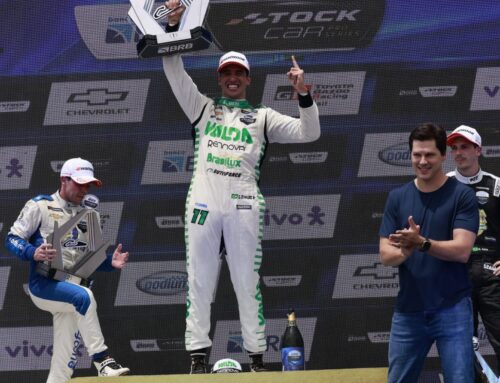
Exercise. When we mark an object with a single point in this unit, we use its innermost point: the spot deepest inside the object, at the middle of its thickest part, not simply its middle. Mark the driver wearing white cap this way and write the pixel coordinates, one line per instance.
(484, 262)
(224, 198)
(72, 305)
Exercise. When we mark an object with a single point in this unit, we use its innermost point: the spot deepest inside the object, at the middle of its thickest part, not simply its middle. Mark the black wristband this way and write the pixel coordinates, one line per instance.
(171, 28)
(305, 101)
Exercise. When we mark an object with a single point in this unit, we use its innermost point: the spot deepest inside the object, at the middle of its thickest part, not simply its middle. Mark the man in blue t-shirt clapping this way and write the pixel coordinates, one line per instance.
(428, 230)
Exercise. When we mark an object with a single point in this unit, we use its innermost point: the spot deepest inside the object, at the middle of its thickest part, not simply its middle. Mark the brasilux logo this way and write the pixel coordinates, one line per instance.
(298, 25)
(225, 161)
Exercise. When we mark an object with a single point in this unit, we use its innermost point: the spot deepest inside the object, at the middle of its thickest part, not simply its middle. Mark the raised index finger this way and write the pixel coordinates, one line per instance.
(294, 62)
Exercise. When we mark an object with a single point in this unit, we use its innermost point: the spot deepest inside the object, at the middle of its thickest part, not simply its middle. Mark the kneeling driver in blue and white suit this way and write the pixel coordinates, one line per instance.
(71, 303)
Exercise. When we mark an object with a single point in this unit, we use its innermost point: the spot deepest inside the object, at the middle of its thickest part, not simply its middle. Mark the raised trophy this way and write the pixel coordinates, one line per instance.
(67, 236)
(191, 35)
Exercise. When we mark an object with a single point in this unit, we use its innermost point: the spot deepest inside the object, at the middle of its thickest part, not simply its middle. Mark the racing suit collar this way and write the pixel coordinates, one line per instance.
(242, 104)
(63, 203)
(469, 180)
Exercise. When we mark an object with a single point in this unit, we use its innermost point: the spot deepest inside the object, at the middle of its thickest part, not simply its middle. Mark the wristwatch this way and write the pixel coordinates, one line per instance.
(425, 246)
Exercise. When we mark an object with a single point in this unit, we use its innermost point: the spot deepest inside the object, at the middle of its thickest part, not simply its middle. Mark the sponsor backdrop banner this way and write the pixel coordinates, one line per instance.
(73, 86)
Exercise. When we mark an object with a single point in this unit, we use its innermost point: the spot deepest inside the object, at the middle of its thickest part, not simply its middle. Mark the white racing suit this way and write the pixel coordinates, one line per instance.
(230, 137)
(72, 306)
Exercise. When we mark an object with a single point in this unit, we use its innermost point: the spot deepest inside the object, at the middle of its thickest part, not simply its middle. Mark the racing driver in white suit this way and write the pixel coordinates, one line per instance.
(230, 137)
(71, 302)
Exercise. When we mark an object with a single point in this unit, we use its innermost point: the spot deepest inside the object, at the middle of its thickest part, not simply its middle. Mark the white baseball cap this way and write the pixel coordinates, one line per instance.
(464, 131)
(79, 170)
(225, 366)
(234, 58)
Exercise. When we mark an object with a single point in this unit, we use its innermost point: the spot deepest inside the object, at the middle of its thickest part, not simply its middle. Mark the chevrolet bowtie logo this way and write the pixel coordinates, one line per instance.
(377, 271)
(97, 97)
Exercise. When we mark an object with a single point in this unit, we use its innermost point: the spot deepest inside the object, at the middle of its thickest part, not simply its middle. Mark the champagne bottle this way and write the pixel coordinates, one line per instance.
(292, 346)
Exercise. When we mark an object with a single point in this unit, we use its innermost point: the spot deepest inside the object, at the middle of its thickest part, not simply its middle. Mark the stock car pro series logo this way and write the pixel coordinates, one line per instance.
(288, 25)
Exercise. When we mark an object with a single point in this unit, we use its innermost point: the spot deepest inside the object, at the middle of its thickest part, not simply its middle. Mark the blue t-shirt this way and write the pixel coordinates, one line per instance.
(426, 282)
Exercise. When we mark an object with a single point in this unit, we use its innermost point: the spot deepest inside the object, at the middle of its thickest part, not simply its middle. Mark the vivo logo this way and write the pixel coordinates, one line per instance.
(28, 350)
(492, 92)
(315, 216)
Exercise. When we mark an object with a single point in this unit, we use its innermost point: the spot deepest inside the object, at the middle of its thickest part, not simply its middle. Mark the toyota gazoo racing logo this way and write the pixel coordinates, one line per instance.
(397, 155)
(317, 24)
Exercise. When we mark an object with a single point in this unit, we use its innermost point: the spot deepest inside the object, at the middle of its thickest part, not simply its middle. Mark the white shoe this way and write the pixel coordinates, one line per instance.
(109, 367)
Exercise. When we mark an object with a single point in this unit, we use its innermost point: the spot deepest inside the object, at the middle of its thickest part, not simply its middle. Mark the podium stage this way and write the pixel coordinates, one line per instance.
(355, 375)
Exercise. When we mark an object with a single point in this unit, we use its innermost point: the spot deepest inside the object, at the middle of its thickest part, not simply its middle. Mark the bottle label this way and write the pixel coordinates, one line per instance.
(292, 358)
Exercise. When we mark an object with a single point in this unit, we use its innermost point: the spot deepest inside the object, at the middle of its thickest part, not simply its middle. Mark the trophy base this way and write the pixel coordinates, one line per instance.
(148, 46)
(60, 275)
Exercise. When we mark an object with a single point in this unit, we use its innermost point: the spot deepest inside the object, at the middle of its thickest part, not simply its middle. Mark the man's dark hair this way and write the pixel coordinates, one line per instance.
(427, 132)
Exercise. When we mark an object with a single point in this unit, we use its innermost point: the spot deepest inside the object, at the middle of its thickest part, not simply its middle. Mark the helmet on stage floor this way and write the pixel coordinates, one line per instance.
(226, 365)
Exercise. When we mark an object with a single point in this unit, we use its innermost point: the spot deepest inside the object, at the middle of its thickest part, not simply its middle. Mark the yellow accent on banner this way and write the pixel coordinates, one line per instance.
(355, 375)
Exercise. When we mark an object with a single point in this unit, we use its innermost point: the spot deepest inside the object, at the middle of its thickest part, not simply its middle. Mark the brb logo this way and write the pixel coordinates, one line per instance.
(174, 162)
(235, 343)
(168, 162)
(120, 31)
(229, 333)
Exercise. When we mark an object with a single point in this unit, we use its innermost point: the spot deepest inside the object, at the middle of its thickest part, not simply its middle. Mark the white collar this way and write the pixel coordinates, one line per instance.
(469, 180)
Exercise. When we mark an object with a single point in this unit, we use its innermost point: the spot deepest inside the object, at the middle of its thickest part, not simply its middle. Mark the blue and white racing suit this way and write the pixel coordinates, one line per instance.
(72, 306)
